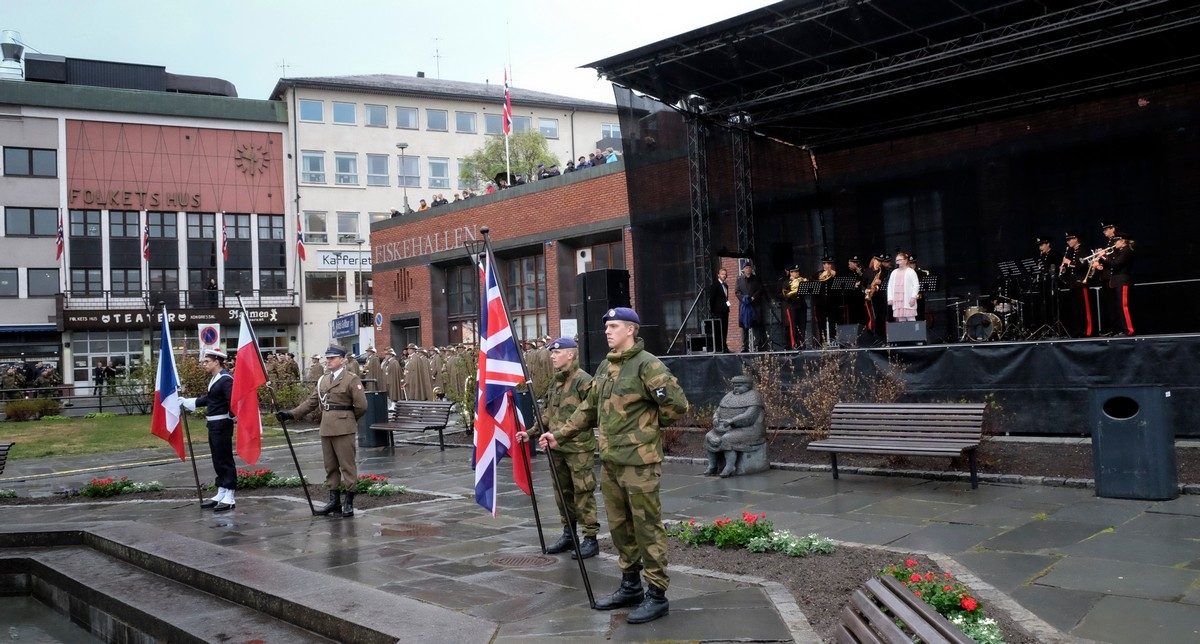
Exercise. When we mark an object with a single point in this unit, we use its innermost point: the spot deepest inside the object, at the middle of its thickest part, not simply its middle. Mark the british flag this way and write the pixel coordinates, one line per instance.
(497, 419)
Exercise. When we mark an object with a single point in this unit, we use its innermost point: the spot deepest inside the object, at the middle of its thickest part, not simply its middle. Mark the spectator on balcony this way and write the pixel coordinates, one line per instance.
(600, 158)
(423, 206)
(570, 167)
(210, 296)
(583, 163)
(610, 156)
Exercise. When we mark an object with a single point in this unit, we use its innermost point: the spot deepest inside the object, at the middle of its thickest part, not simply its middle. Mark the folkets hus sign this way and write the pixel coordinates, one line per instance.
(118, 320)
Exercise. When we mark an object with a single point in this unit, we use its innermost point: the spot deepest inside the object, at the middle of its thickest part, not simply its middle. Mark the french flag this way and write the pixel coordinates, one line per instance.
(497, 419)
(243, 401)
(164, 419)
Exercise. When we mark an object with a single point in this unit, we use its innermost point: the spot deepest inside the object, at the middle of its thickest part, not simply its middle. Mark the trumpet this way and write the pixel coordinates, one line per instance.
(1103, 252)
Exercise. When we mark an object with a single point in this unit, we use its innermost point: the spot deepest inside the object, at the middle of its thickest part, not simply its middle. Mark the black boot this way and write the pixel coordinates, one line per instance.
(588, 548)
(564, 543)
(655, 605)
(334, 505)
(629, 594)
(348, 504)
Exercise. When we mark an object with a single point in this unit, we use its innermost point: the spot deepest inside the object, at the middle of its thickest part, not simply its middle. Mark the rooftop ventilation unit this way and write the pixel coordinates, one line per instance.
(12, 50)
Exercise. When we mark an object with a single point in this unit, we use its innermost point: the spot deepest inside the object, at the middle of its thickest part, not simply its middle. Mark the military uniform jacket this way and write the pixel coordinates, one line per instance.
(567, 391)
(220, 390)
(1120, 267)
(342, 402)
(633, 396)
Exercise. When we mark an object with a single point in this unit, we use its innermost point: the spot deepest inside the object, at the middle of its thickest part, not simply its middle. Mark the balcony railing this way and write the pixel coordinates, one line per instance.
(189, 299)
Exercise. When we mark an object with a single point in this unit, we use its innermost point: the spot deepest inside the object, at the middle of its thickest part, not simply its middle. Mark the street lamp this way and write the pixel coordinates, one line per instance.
(361, 288)
(474, 250)
(403, 182)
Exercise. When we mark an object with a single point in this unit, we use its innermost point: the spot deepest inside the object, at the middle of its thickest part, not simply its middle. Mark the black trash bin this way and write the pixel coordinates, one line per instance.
(1133, 444)
(376, 413)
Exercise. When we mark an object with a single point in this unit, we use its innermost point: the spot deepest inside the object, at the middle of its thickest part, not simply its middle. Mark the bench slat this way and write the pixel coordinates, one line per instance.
(4, 447)
(875, 619)
(932, 626)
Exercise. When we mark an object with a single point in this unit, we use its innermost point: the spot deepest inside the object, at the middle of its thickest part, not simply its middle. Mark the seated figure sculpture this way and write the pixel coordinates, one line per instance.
(739, 425)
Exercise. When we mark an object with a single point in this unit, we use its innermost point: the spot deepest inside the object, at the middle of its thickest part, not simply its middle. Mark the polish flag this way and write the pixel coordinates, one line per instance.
(248, 376)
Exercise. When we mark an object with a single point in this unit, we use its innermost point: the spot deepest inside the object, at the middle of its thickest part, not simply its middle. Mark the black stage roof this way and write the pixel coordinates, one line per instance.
(833, 73)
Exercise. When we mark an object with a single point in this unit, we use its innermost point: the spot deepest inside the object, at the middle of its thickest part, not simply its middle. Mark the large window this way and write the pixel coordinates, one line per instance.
(85, 223)
(436, 120)
(377, 170)
(347, 223)
(376, 115)
(270, 227)
(312, 167)
(164, 280)
(87, 281)
(439, 173)
(325, 286)
(610, 255)
(493, 124)
(162, 225)
(460, 291)
(343, 113)
(312, 111)
(464, 122)
(406, 118)
(31, 222)
(8, 283)
(43, 282)
(272, 281)
(201, 225)
(410, 171)
(315, 230)
(272, 255)
(237, 226)
(527, 295)
(346, 168)
(522, 123)
(610, 130)
(30, 162)
(126, 281)
(548, 128)
(124, 224)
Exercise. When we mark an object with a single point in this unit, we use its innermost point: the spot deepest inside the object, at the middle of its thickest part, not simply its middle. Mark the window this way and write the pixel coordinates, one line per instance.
(124, 223)
(43, 282)
(86, 281)
(343, 113)
(460, 291)
(377, 170)
(237, 226)
(201, 225)
(410, 171)
(464, 122)
(273, 281)
(378, 216)
(84, 223)
(313, 167)
(324, 286)
(126, 281)
(312, 111)
(162, 225)
(611, 255)
(406, 118)
(522, 123)
(345, 169)
(33, 222)
(270, 227)
(8, 282)
(463, 182)
(527, 295)
(548, 128)
(376, 115)
(439, 173)
(236, 279)
(272, 253)
(347, 223)
(436, 120)
(315, 231)
(164, 280)
(610, 130)
(30, 162)
(493, 124)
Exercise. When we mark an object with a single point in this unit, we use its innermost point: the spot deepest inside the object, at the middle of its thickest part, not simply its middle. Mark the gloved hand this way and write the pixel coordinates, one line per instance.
(188, 403)
(284, 416)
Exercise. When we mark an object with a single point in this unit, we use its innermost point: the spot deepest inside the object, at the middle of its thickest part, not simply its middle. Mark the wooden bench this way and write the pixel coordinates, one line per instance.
(907, 429)
(4, 447)
(417, 416)
(874, 609)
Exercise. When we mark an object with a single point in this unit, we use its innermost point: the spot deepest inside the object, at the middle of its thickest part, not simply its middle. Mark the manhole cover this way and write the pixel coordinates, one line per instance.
(411, 530)
(523, 561)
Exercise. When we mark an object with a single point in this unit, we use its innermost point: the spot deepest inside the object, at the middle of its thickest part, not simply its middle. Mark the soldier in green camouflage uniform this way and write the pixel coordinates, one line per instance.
(633, 396)
(575, 458)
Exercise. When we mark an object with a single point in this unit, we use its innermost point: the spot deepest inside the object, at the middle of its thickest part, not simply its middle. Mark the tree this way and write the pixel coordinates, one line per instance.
(526, 150)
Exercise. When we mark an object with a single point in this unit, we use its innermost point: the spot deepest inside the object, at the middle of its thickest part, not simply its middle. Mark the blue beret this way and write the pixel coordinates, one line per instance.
(335, 352)
(563, 343)
(622, 313)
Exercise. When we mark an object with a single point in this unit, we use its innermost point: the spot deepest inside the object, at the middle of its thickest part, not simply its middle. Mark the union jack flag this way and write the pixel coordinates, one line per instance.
(58, 243)
(497, 419)
(507, 107)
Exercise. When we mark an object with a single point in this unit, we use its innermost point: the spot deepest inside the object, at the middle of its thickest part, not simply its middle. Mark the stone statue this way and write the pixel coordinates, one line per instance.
(738, 426)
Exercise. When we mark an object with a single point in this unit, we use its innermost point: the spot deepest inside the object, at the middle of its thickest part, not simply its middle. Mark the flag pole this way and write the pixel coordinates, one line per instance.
(275, 406)
(537, 418)
(187, 432)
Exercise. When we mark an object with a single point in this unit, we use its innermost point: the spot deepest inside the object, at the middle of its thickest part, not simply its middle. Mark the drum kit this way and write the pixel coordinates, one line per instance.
(991, 317)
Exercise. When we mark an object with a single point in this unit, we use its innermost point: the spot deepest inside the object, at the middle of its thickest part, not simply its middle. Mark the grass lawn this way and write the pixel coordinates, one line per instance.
(40, 438)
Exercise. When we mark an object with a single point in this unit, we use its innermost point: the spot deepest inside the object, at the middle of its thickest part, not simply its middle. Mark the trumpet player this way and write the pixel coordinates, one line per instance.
(795, 307)
(1119, 267)
(1077, 313)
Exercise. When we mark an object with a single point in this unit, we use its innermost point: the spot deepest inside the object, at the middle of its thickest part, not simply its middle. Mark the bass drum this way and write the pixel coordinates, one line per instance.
(983, 326)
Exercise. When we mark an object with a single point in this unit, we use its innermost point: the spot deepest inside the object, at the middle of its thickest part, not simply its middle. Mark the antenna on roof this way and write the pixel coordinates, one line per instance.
(437, 58)
(283, 67)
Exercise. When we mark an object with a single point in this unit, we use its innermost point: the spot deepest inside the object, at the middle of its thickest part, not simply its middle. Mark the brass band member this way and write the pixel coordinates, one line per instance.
(1120, 281)
(872, 277)
(795, 308)
(1077, 312)
(822, 305)
(902, 290)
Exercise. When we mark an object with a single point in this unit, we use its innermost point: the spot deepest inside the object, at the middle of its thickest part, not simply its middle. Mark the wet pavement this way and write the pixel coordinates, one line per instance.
(1066, 564)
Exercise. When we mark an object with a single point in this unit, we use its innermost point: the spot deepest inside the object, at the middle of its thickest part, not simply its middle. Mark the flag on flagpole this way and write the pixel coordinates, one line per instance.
(164, 419)
(243, 401)
(146, 240)
(300, 237)
(224, 239)
(58, 243)
(497, 419)
(507, 107)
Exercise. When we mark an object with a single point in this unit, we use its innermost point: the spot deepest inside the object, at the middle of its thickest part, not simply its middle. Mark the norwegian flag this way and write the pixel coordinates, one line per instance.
(146, 242)
(497, 419)
(224, 239)
(507, 107)
(58, 243)
(300, 238)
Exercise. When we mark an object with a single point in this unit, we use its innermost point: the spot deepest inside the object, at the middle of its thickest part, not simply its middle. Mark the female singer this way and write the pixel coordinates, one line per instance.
(902, 290)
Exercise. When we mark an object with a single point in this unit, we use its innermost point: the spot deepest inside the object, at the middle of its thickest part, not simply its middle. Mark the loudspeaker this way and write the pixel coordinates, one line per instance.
(606, 284)
(698, 344)
(848, 335)
(600, 291)
(906, 332)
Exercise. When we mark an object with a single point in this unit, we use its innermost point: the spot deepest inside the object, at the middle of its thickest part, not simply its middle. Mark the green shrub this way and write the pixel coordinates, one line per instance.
(31, 409)
(100, 414)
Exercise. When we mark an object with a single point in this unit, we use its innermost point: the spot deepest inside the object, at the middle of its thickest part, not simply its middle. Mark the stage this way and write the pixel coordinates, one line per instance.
(1044, 386)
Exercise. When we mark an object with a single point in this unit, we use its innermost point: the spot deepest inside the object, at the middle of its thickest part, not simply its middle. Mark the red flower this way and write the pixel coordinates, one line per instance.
(917, 593)
(947, 588)
(969, 604)
(691, 522)
(930, 576)
(915, 578)
(948, 575)
(911, 563)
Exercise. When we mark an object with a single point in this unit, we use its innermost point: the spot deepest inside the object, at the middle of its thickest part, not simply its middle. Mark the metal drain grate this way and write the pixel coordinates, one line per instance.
(523, 561)
(411, 530)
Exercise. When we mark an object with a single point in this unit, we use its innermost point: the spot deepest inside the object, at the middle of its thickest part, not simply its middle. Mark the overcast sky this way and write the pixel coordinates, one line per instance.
(247, 42)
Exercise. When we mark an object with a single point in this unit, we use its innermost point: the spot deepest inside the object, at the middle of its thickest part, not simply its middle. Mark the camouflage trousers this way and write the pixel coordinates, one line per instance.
(577, 479)
(634, 512)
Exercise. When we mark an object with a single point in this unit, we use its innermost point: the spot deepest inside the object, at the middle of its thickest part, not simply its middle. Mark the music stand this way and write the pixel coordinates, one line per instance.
(929, 283)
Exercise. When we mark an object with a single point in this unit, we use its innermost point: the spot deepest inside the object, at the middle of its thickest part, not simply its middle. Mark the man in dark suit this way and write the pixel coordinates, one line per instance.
(751, 295)
(718, 305)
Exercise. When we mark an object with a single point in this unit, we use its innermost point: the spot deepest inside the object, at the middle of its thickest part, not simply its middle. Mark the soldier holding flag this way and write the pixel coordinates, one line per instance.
(220, 429)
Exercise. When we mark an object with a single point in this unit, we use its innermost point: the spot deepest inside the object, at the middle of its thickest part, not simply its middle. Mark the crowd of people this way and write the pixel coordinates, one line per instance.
(31, 380)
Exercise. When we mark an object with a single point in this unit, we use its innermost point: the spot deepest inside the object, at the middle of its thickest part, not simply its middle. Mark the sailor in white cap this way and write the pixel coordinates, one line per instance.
(220, 428)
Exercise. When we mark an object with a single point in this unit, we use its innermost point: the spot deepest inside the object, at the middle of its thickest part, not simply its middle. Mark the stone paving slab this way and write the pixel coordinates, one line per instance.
(1062, 608)
(1132, 619)
(1121, 546)
(1120, 578)
(1104, 512)
(1041, 536)
(948, 538)
(1007, 571)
